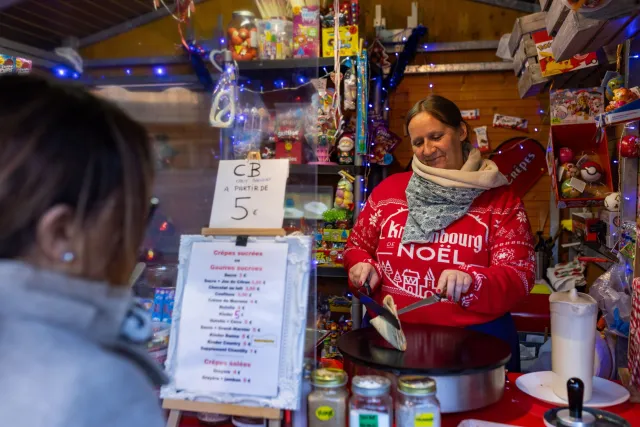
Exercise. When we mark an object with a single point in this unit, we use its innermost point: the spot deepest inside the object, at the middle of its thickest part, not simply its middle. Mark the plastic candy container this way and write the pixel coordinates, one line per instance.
(344, 192)
(275, 37)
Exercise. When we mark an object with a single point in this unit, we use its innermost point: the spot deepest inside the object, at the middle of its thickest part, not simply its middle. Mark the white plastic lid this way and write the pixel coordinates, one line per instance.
(574, 302)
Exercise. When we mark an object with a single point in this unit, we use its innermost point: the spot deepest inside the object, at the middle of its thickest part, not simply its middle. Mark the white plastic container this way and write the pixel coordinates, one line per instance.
(573, 325)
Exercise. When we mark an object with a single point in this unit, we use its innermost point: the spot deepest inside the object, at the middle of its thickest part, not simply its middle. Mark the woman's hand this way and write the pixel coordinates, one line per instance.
(456, 283)
(362, 271)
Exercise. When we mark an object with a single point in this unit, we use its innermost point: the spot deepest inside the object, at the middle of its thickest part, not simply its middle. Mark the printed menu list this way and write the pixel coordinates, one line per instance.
(231, 318)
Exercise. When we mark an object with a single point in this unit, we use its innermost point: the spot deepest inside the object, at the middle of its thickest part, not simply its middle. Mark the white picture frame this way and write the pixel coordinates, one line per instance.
(293, 333)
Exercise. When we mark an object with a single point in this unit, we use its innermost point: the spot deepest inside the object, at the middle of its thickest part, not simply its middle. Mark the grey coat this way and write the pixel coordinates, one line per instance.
(66, 358)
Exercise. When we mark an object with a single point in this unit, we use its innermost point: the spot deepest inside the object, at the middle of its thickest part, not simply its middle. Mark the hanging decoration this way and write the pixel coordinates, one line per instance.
(362, 97)
(522, 161)
(392, 81)
(337, 102)
(378, 56)
(181, 13)
(223, 106)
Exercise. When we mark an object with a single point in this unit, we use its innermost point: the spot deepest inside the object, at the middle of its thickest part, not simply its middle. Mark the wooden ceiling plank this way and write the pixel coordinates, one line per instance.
(123, 5)
(5, 15)
(68, 16)
(123, 27)
(519, 5)
(66, 23)
(4, 4)
(109, 11)
(86, 13)
(29, 33)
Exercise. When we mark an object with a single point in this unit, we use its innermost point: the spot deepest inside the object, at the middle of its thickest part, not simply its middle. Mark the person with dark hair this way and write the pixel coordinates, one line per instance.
(75, 182)
(450, 226)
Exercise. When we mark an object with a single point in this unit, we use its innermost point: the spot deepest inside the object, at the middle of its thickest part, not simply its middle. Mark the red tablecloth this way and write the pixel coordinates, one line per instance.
(519, 409)
(516, 408)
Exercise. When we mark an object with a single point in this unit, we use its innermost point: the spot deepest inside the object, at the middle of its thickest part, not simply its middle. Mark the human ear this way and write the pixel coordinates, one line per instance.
(463, 132)
(55, 233)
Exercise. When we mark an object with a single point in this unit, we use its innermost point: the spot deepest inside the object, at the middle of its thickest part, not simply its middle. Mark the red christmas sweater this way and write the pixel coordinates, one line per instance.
(492, 242)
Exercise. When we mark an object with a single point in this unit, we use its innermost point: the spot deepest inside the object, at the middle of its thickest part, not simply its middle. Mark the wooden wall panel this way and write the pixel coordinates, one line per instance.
(491, 93)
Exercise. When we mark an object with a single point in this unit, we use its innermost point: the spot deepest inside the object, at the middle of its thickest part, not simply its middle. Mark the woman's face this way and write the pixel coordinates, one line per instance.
(436, 144)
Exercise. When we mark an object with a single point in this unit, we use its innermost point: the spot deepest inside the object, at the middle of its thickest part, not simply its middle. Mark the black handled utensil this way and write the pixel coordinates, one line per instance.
(375, 307)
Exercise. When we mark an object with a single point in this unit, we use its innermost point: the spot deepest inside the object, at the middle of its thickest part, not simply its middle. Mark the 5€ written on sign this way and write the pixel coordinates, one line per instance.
(250, 194)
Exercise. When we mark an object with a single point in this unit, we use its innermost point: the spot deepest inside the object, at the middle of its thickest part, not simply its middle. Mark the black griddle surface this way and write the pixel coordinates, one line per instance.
(431, 350)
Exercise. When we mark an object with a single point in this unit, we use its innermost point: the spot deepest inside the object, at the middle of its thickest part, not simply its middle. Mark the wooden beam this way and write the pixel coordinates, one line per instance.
(519, 5)
(128, 25)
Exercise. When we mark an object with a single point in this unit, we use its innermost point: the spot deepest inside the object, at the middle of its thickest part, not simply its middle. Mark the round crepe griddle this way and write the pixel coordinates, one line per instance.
(431, 349)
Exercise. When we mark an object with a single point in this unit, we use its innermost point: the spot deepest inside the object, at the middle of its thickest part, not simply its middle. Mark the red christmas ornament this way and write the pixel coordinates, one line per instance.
(629, 146)
(566, 155)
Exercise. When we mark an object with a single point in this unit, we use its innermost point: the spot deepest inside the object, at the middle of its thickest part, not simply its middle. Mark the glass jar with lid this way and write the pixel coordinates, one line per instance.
(417, 404)
(327, 403)
(371, 404)
(242, 36)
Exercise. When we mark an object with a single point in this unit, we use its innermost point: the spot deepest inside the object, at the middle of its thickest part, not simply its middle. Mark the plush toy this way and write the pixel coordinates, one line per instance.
(566, 155)
(629, 146)
(567, 191)
(621, 97)
(612, 202)
(613, 84)
(591, 171)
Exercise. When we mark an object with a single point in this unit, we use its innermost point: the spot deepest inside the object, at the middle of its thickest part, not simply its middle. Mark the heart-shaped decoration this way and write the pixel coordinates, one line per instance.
(217, 58)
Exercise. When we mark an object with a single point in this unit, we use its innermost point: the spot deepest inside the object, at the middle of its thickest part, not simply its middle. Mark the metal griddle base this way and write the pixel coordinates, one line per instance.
(468, 366)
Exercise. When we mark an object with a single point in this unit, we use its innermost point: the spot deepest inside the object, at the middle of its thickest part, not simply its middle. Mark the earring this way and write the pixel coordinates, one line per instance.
(68, 257)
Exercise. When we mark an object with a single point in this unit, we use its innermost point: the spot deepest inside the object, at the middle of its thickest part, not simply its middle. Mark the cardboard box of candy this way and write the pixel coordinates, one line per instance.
(571, 106)
(579, 165)
(348, 41)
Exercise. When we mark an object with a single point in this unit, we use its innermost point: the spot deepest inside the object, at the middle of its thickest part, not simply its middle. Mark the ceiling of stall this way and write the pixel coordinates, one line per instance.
(47, 23)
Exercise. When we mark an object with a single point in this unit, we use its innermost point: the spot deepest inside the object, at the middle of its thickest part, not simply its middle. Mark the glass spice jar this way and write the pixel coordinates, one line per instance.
(371, 404)
(327, 403)
(417, 404)
(242, 36)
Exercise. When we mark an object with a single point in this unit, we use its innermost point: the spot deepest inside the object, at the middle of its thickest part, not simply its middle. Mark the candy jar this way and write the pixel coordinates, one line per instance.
(242, 36)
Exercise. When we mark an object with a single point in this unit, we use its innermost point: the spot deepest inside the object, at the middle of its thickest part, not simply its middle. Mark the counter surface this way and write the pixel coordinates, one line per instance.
(515, 408)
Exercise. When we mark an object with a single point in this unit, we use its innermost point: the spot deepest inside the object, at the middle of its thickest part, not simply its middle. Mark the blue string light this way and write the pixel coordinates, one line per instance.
(159, 71)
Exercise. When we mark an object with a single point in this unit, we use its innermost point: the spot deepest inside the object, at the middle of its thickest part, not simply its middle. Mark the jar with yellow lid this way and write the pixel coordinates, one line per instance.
(417, 405)
(327, 403)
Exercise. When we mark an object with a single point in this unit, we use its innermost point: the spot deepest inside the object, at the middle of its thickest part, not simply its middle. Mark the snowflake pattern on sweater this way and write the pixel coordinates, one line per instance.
(492, 242)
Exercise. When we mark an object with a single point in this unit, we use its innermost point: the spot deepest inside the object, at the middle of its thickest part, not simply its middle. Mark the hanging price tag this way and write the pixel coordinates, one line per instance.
(250, 194)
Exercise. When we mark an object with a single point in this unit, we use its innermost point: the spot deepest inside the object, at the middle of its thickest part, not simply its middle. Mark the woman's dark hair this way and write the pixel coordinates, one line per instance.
(441, 108)
(61, 145)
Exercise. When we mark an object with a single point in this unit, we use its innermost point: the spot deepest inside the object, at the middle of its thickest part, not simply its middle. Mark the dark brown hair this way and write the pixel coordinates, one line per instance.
(441, 108)
(61, 145)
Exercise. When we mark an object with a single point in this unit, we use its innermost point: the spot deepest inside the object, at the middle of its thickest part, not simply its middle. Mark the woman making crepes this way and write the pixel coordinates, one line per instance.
(452, 224)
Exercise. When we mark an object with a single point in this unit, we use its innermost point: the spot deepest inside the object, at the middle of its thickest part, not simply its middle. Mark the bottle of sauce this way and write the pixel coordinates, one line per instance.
(371, 404)
(327, 403)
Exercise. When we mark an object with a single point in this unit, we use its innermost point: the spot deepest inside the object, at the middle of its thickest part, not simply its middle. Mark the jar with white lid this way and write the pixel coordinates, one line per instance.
(417, 405)
(371, 405)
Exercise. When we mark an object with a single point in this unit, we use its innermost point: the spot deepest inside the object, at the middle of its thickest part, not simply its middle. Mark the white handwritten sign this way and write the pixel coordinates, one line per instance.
(231, 333)
(250, 194)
